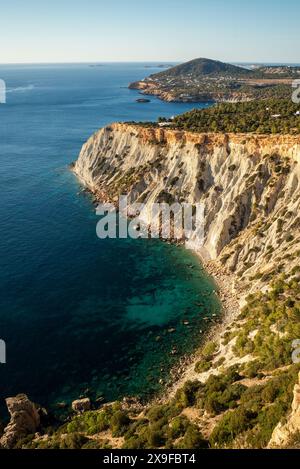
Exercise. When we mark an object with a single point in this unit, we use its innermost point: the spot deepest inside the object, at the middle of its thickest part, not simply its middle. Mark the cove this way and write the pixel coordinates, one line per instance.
(79, 315)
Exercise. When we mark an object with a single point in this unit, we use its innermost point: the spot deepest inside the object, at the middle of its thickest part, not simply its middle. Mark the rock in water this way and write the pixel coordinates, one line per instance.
(24, 420)
(81, 405)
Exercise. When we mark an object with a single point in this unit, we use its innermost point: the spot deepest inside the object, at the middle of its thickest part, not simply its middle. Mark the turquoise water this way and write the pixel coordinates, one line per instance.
(77, 312)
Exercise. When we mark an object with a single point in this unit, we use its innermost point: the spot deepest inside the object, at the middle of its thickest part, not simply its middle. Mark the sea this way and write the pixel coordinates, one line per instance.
(82, 316)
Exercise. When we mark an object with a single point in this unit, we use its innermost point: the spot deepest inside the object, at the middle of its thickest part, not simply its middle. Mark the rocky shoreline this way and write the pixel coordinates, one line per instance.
(229, 298)
(230, 308)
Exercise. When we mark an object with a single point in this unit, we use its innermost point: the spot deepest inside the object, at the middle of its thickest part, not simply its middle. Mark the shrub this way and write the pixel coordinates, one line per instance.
(73, 441)
(192, 439)
(90, 422)
(218, 402)
(252, 368)
(157, 412)
(178, 426)
(155, 438)
(203, 365)
(209, 349)
(133, 442)
(187, 395)
(119, 423)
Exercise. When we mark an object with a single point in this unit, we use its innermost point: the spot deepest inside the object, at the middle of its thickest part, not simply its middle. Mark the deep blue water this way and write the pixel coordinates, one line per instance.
(77, 312)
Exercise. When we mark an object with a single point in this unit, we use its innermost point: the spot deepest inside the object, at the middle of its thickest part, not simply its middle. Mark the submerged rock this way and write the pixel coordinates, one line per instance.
(61, 405)
(24, 420)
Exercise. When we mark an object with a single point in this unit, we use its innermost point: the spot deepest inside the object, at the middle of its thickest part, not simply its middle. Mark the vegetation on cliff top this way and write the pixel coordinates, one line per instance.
(264, 117)
(272, 116)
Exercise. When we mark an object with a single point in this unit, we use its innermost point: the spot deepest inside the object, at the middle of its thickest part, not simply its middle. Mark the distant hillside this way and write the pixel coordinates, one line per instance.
(201, 67)
(206, 80)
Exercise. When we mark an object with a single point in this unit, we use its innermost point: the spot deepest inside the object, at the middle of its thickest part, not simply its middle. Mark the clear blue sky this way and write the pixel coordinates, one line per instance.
(152, 30)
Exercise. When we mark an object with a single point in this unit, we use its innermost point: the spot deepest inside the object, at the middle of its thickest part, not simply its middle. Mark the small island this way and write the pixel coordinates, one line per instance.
(143, 100)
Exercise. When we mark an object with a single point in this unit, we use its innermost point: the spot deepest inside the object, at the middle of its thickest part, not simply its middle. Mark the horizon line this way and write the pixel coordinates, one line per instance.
(142, 61)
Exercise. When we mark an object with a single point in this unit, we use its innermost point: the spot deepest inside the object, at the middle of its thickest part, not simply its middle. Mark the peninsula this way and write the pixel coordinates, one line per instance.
(206, 80)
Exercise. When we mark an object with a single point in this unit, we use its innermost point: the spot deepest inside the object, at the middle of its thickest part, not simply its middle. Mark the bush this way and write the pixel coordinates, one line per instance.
(218, 402)
(188, 394)
(178, 427)
(133, 442)
(269, 393)
(209, 349)
(156, 413)
(252, 368)
(155, 438)
(119, 423)
(203, 365)
(73, 441)
(192, 439)
(90, 422)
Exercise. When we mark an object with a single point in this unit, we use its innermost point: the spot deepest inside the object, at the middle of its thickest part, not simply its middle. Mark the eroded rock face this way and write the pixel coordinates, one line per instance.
(249, 185)
(81, 405)
(283, 432)
(24, 420)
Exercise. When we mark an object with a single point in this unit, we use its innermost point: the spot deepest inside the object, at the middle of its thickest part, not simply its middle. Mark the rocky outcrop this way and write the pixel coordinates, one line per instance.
(24, 420)
(151, 88)
(285, 431)
(249, 185)
(174, 94)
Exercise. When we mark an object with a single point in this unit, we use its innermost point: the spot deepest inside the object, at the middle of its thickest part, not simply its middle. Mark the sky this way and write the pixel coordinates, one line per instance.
(34, 31)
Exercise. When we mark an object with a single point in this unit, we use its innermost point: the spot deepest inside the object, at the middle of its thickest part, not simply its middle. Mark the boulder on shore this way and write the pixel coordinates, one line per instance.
(81, 405)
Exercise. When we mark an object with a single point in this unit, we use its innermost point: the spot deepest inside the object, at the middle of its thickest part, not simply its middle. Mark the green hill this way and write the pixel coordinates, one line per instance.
(202, 67)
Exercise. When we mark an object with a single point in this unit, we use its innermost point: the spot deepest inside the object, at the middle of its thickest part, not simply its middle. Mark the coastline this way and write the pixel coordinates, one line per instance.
(251, 184)
(230, 306)
(229, 299)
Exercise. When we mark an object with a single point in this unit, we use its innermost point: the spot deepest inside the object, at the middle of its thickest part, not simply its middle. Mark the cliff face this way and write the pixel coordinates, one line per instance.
(249, 185)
